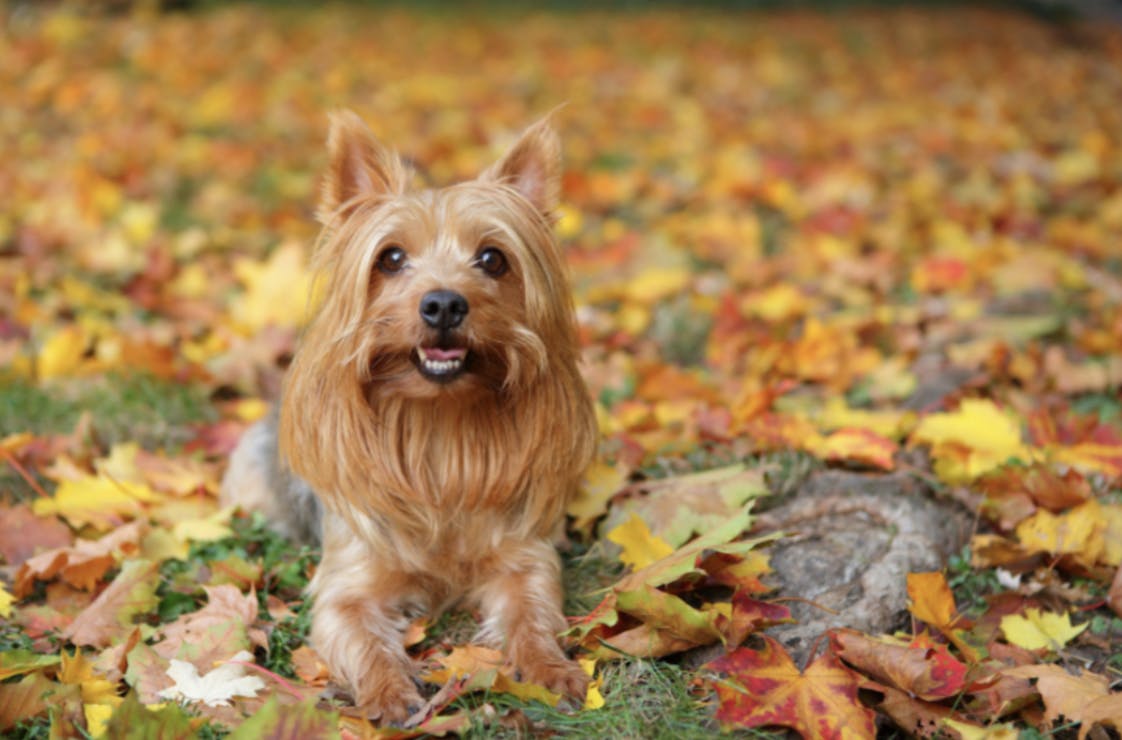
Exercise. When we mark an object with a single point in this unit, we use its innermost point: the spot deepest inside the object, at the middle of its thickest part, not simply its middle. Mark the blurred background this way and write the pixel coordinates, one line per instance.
(754, 193)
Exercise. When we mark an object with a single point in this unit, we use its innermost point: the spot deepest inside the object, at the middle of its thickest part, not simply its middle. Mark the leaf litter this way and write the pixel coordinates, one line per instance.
(885, 239)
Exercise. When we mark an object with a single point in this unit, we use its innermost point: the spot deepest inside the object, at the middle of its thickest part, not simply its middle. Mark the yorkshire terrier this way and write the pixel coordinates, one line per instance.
(433, 423)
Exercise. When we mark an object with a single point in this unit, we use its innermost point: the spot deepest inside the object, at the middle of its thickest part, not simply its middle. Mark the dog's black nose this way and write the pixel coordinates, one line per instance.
(443, 309)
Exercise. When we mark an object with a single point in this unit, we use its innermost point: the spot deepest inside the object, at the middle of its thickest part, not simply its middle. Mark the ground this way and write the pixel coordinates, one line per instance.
(835, 273)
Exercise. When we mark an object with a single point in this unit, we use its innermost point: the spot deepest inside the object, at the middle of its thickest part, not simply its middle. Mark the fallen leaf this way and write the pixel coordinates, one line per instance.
(25, 534)
(221, 628)
(278, 721)
(930, 673)
(1038, 630)
(1082, 697)
(110, 616)
(763, 688)
(83, 564)
(215, 688)
(640, 548)
(970, 441)
(133, 719)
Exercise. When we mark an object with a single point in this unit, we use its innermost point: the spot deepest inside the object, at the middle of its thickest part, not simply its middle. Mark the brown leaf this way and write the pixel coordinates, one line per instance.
(25, 534)
(219, 630)
(83, 564)
(110, 616)
(1074, 697)
(23, 699)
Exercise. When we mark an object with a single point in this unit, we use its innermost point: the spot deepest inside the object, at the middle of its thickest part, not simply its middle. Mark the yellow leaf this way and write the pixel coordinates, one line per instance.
(657, 283)
(250, 409)
(96, 501)
(593, 699)
(62, 353)
(6, 601)
(120, 464)
(159, 545)
(277, 291)
(601, 482)
(1037, 630)
(1112, 534)
(973, 440)
(931, 599)
(97, 718)
(781, 302)
(206, 529)
(969, 731)
(1077, 532)
(640, 547)
(837, 414)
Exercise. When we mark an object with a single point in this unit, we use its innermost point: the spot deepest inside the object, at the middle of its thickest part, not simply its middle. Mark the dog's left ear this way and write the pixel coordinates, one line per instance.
(533, 167)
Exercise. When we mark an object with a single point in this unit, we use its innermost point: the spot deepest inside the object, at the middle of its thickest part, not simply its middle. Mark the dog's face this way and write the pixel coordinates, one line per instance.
(442, 292)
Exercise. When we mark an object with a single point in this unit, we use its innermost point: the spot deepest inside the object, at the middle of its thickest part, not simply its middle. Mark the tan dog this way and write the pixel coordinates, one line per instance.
(433, 416)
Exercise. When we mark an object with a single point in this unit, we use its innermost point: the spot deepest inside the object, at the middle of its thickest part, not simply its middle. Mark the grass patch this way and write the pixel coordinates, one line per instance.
(121, 407)
(642, 698)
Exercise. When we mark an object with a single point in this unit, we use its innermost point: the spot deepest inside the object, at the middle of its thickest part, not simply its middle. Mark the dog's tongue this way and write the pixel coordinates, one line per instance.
(436, 353)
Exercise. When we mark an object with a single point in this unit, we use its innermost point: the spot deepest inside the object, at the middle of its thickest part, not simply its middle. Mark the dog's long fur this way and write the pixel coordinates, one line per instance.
(431, 491)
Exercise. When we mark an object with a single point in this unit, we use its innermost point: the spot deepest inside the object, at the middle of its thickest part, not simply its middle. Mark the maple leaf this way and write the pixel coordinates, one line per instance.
(1082, 697)
(270, 288)
(216, 687)
(222, 627)
(83, 564)
(975, 439)
(764, 687)
(1078, 532)
(97, 501)
(677, 507)
(288, 722)
(110, 616)
(1038, 630)
(25, 534)
(133, 719)
(640, 548)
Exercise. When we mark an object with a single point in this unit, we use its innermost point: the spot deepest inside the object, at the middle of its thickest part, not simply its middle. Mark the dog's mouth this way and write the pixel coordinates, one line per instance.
(440, 364)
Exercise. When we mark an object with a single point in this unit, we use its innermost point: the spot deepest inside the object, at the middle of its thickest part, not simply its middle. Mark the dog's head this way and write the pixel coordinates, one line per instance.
(440, 292)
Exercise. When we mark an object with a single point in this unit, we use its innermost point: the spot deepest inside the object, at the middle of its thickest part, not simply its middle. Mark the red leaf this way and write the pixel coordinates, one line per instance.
(764, 687)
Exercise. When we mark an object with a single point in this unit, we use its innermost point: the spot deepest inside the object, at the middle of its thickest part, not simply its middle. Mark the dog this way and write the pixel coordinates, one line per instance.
(433, 424)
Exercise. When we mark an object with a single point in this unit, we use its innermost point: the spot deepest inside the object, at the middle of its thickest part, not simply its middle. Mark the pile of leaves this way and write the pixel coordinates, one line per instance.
(884, 241)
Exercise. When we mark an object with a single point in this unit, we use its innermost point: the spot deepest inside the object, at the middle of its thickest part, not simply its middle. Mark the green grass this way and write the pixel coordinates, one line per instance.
(120, 407)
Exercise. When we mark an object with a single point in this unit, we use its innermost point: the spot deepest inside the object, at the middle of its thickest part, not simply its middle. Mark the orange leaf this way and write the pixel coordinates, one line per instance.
(859, 446)
(931, 600)
(764, 687)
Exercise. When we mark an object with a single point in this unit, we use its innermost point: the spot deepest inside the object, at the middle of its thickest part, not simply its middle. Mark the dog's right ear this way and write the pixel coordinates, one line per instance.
(358, 166)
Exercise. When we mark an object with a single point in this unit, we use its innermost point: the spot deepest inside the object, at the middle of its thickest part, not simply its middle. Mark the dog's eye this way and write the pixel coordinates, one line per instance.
(492, 261)
(391, 260)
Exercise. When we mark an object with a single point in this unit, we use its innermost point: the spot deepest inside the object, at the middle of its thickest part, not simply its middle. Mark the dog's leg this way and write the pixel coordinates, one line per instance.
(521, 605)
(358, 622)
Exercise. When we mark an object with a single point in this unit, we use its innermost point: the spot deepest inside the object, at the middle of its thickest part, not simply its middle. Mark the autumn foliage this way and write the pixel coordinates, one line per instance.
(887, 241)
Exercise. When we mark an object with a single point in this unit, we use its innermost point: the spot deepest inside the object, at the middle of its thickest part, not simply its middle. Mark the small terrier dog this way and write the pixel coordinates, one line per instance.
(433, 424)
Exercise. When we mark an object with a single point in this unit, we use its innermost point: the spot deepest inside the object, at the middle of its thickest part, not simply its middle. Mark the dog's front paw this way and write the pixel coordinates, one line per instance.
(559, 676)
(389, 698)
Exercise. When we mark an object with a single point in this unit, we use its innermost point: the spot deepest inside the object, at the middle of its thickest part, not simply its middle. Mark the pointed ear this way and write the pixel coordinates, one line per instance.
(533, 167)
(358, 165)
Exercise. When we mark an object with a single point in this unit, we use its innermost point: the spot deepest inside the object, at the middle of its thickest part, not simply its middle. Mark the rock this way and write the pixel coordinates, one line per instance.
(853, 538)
